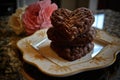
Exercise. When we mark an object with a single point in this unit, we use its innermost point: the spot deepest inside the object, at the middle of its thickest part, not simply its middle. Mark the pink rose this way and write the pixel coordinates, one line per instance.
(37, 16)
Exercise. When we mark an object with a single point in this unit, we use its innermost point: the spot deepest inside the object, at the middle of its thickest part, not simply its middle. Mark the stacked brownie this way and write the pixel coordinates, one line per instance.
(72, 35)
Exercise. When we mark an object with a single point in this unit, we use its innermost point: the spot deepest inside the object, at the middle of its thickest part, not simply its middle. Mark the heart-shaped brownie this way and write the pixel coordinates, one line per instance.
(81, 40)
(72, 23)
(72, 53)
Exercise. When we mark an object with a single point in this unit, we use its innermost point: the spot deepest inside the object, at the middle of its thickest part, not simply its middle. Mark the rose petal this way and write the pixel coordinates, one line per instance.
(43, 4)
(37, 15)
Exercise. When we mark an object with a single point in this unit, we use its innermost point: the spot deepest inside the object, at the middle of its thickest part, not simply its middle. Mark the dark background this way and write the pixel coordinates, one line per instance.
(109, 4)
(7, 7)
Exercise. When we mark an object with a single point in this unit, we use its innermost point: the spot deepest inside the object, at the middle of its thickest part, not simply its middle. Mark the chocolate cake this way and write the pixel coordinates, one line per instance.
(72, 35)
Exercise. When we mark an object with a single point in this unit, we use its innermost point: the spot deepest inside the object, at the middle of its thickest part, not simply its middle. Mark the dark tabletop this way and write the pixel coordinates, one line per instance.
(11, 62)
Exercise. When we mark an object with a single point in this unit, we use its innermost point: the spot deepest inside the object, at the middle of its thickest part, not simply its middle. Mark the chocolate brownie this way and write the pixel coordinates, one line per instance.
(72, 53)
(72, 33)
(78, 41)
(72, 23)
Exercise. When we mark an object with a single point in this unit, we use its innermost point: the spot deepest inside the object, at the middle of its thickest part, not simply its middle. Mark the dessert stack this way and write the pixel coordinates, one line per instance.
(72, 33)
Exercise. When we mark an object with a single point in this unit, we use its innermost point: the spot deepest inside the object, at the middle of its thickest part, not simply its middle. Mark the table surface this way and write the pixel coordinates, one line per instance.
(12, 64)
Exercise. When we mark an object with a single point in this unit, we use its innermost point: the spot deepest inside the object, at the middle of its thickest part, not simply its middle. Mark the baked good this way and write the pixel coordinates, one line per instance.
(80, 40)
(72, 23)
(72, 33)
(72, 53)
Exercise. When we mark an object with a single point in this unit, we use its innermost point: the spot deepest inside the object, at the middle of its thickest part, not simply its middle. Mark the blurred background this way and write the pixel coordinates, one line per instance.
(7, 7)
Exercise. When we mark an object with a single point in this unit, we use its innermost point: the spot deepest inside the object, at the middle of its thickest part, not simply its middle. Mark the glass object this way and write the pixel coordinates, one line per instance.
(99, 21)
(21, 3)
